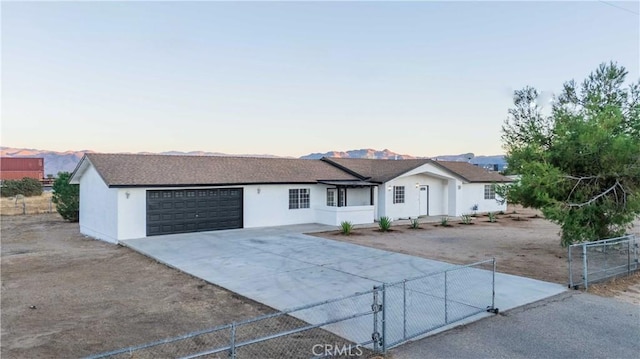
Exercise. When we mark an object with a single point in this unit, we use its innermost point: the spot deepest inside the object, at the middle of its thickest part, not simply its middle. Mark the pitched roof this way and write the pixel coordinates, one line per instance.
(121, 170)
(378, 170)
(471, 173)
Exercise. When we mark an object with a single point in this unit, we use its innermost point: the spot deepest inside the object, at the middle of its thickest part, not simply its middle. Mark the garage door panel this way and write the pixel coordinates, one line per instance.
(178, 211)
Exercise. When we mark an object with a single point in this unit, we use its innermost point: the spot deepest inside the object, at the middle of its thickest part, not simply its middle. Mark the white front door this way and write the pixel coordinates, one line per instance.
(424, 200)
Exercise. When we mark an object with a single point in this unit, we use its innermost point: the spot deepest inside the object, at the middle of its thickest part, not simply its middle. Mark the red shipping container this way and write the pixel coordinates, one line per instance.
(21, 164)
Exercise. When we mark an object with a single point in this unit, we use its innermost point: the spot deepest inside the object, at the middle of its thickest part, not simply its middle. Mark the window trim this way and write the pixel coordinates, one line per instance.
(299, 198)
(399, 194)
(334, 194)
(489, 192)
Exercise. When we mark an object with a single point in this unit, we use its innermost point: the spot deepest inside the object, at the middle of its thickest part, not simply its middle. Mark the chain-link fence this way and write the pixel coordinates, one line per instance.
(595, 261)
(357, 325)
(337, 328)
(416, 306)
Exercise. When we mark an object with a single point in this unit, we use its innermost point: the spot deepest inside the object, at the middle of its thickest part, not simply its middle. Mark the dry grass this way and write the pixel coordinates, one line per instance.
(625, 288)
(12, 206)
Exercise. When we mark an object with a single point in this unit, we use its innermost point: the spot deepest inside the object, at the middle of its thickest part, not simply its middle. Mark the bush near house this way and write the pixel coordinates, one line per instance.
(27, 187)
(66, 196)
(346, 227)
(384, 223)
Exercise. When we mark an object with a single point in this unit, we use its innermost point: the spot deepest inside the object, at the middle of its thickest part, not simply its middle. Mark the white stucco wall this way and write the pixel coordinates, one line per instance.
(438, 196)
(270, 207)
(473, 193)
(98, 207)
(132, 213)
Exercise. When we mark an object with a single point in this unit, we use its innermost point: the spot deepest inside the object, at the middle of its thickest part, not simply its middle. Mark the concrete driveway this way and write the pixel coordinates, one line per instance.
(283, 268)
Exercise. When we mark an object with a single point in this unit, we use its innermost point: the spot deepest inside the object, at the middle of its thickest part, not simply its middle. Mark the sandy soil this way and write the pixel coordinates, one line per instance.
(65, 295)
(522, 242)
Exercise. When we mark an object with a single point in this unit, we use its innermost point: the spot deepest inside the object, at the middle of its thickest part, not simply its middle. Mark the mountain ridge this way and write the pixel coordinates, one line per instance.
(60, 161)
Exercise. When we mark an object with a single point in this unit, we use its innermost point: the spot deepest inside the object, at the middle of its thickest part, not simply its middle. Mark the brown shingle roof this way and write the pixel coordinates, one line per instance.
(163, 170)
(377, 170)
(472, 173)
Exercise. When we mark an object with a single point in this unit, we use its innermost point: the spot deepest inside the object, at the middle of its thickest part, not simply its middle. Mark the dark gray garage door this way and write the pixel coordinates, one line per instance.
(193, 210)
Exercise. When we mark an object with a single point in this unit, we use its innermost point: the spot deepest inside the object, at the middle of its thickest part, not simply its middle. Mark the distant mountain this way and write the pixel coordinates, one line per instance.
(363, 153)
(55, 162)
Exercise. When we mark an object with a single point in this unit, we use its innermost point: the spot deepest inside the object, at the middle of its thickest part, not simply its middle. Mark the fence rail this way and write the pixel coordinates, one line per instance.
(595, 261)
(360, 324)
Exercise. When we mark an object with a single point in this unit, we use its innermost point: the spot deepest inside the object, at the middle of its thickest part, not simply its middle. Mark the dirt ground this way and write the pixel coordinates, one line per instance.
(522, 242)
(65, 295)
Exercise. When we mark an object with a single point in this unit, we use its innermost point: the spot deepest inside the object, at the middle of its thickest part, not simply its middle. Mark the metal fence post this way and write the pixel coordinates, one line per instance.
(585, 272)
(375, 336)
(629, 256)
(232, 345)
(404, 309)
(570, 269)
(446, 310)
(384, 318)
(493, 285)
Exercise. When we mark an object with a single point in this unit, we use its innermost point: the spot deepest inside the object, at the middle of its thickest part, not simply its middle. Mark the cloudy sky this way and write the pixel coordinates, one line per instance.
(290, 78)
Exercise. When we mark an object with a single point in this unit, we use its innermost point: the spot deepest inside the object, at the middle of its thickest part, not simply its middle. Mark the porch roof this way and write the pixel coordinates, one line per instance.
(349, 183)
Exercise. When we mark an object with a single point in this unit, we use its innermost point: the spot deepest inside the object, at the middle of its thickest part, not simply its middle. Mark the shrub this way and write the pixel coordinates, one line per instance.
(444, 221)
(346, 227)
(466, 219)
(492, 217)
(501, 212)
(414, 224)
(384, 223)
(66, 196)
(27, 187)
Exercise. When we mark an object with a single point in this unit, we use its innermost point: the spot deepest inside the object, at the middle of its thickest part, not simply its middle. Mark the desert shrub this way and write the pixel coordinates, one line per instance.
(66, 196)
(444, 221)
(384, 223)
(27, 187)
(346, 227)
(414, 223)
(466, 219)
(492, 217)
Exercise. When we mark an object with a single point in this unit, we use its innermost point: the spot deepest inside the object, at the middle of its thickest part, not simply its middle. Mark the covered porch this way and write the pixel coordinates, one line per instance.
(352, 201)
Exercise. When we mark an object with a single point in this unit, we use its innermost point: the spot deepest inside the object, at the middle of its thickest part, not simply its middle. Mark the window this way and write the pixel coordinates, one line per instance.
(489, 192)
(331, 197)
(299, 198)
(398, 194)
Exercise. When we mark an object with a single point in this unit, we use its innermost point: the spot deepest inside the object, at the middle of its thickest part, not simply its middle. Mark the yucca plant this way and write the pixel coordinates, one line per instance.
(466, 219)
(444, 221)
(384, 223)
(346, 227)
(414, 223)
(492, 217)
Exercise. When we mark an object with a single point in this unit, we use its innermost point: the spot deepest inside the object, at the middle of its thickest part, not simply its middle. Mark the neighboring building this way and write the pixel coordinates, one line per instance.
(16, 168)
(126, 196)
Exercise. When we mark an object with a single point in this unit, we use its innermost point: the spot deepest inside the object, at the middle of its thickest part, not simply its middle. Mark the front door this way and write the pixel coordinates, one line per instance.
(424, 200)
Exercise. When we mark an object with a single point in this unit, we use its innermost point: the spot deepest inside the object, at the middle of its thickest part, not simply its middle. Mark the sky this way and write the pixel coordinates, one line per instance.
(423, 78)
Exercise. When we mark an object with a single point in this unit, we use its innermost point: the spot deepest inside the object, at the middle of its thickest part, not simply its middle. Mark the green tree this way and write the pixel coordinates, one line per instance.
(580, 164)
(27, 187)
(66, 196)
